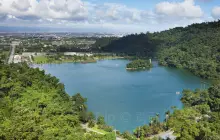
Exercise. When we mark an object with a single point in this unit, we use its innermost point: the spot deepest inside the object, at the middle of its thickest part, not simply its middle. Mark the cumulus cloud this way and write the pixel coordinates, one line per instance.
(21, 5)
(55, 9)
(117, 13)
(216, 12)
(73, 10)
(82, 14)
(186, 9)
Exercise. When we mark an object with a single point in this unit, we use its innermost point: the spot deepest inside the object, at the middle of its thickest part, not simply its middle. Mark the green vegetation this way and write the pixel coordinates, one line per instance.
(107, 56)
(101, 120)
(66, 44)
(4, 49)
(4, 56)
(40, 59)
(59, 58)
(102, 42)
(154, 127)
(201, 113)
(199, 119)
(34, 105)
(97, 128)
(139, 65)
(195, 48)
(132, 45)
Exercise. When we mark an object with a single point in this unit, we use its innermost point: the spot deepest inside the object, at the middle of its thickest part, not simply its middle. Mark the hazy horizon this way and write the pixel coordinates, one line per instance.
(106, 16)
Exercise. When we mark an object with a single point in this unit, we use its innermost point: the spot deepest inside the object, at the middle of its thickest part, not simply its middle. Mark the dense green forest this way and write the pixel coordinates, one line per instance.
(135, 44)
(139, 64)
(198, 120)
(201, 113)
(34, 105)
(196, 48)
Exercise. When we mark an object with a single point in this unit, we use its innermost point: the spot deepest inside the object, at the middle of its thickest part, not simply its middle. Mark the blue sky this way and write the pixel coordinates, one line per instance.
(118, 16)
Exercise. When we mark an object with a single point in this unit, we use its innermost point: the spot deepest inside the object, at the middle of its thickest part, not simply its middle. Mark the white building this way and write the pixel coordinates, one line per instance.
(17, 59)
(78, 54)
(27, 54)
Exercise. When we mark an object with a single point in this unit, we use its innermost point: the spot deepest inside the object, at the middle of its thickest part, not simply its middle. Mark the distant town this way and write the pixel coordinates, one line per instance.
(59, 35)
(40, 47)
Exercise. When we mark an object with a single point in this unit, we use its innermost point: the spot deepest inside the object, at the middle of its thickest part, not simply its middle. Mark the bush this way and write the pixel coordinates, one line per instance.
(101, 120)
(91, 123)
(105, 128)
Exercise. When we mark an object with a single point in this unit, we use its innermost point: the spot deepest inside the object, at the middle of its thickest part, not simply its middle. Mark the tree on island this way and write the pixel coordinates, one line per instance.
(139, 64)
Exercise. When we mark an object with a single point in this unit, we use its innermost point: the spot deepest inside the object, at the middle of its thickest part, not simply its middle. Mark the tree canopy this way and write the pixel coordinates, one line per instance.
(34, 105)
(139, 64)
(195, 47)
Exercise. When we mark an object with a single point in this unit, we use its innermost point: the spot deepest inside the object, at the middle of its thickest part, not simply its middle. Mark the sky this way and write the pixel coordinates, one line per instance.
(113, 16)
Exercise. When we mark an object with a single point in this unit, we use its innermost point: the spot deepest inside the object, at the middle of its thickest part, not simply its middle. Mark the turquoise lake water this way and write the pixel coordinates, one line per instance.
(126, 99)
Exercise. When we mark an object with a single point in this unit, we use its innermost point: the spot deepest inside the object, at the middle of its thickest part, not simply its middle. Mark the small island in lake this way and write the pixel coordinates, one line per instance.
(139, 65)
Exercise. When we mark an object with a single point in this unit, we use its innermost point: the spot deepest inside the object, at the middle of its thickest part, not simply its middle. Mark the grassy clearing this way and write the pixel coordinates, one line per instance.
(71, 59)
(62, 59)
(5, 52)
(40, 59)
(99, 130)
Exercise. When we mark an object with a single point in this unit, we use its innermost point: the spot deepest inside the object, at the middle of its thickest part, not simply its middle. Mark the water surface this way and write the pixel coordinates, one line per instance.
(126, 99)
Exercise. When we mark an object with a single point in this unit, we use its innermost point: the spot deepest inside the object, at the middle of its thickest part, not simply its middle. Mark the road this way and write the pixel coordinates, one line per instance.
(165, 135)
(85, 126)
(11, 57)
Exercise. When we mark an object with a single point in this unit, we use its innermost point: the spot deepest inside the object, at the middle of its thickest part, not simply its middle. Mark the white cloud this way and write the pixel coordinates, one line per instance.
(110, 16)
(55, 9)
(119, 14)
(216, 12)
(21, 5)
(116, 13)
(186, 9)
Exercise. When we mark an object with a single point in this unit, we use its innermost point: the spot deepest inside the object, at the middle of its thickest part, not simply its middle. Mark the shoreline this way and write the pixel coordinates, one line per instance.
(161, 120)
(94, 60)
(137, 68)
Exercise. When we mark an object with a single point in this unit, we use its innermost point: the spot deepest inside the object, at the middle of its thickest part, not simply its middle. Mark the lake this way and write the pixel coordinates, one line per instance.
(126, 99)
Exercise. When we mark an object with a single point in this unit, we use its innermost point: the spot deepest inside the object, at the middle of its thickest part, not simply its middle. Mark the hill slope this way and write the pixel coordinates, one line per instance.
(196, 48)
(35, 106)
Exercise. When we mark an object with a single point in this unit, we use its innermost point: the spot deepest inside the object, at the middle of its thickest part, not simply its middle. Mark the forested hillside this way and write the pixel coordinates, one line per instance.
(198, 120)
(196, 48)
(138, 44)
(35, 106)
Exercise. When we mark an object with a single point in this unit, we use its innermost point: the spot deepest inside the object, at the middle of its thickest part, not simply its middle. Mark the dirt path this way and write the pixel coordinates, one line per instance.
(85, 126)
